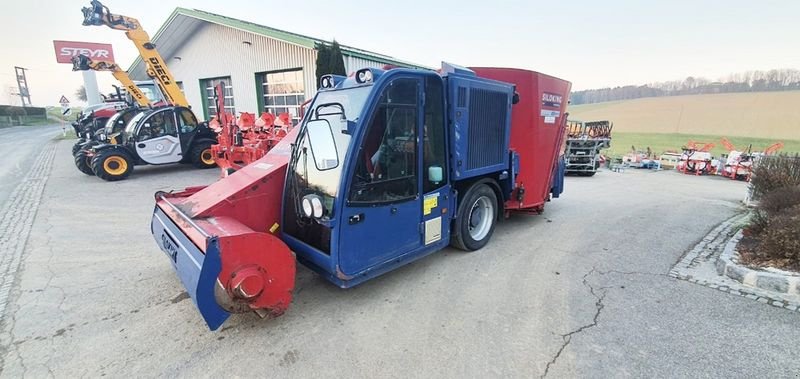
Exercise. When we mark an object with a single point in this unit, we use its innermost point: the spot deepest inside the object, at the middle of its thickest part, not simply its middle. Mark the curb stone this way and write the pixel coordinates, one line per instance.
(704, 264)
(774, 280)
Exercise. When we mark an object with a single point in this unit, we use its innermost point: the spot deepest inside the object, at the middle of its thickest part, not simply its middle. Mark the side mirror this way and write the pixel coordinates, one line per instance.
(515, 98)
(435, 174)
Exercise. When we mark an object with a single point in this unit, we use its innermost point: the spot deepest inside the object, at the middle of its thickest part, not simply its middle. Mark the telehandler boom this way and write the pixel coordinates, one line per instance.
(99, 14)
(82, 62)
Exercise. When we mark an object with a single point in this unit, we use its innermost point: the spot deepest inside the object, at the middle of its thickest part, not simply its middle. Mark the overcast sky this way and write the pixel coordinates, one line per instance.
(590, 43)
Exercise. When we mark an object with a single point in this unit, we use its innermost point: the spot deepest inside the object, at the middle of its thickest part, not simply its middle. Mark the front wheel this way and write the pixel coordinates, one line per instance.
(476, 218)
(112, 165)
(83, 162)
(78, 146)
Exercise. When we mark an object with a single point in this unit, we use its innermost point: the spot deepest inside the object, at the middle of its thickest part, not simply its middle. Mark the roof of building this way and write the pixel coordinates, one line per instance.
(183, 22)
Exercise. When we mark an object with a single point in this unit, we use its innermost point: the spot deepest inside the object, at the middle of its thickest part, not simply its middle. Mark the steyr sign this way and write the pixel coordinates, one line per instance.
(65, 50)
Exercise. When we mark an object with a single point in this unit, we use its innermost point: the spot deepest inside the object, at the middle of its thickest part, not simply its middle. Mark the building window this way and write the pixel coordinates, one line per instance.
(227, 91)
(283, 92)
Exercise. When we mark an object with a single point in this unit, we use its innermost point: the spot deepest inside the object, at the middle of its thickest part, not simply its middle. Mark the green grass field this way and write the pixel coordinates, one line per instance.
(55, 113)
(660, 142)
(668, 123)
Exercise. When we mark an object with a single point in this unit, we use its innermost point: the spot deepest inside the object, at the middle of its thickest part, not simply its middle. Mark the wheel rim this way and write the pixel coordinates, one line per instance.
(480, 218)
(115, 165)
(207, 157)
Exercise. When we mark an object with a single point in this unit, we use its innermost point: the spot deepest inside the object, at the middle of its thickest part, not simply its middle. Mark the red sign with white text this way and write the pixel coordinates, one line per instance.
(65, 50)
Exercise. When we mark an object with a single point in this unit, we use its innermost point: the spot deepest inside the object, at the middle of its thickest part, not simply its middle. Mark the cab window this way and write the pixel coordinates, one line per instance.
(387, 160)
(187, 123)
(158, 125)
(433, 146)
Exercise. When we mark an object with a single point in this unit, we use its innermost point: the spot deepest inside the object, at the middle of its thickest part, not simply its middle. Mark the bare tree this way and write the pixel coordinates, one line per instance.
(80, 93)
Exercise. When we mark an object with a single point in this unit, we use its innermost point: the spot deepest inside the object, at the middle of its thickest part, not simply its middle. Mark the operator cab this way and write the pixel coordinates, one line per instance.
(157, 136)
(117, 123)
(369, 167)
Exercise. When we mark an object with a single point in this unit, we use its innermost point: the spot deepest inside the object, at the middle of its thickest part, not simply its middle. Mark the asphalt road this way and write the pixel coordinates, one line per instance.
(580, 291)
(20, 146)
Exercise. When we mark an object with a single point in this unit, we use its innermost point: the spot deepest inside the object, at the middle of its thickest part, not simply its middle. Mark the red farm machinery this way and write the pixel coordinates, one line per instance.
(385, 167)
(244, 140)
(696, 159)
(739, 163)
(585, 140)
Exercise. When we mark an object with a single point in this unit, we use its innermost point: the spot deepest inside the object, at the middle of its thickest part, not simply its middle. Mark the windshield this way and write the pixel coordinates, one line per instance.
(111, 121)
(132, 123)
(321, 178)
(318, 160)
(149, 91)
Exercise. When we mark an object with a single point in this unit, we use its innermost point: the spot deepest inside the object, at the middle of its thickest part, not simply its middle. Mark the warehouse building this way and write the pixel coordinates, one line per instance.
(263, 68)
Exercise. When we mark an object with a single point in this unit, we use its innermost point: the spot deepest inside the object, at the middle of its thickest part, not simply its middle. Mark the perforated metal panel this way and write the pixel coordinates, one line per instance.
(487, 128)
(480, 125)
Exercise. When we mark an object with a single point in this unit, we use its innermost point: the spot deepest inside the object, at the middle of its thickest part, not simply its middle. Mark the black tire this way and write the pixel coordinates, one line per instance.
(83, 162)
(202, 157)
(472, 212)
(590, 173)
(77, 146)
(112, 165)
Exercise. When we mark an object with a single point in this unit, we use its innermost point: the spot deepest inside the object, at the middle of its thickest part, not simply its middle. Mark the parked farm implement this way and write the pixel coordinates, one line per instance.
(584, 142)
(739, 163)
(245, 139)
(386, 167)
(696, 159)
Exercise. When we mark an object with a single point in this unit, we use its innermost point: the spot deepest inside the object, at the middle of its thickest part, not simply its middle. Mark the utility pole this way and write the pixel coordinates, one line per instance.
(22, 85)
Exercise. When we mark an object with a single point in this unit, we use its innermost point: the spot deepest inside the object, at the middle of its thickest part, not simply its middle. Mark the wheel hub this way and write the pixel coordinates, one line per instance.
(480, 218)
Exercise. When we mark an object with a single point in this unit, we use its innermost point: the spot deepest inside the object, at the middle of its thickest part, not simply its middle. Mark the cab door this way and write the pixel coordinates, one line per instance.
(157, 139)
(381, 217)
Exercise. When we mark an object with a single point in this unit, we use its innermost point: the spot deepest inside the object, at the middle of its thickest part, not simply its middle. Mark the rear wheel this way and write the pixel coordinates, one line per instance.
(202, 156)
(112, 165)
(83, 162)
(476, 218)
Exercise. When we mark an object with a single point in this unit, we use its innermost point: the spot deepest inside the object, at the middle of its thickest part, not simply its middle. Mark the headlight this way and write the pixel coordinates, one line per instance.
(312, 206)
(316, 204)
(326, 81)
(364, 76)
(307, 207)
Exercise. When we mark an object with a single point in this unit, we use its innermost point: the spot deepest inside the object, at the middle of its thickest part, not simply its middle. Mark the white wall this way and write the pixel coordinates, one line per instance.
(215, 51)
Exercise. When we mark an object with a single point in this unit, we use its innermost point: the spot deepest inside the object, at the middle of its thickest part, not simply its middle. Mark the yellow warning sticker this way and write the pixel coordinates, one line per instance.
(430, 203)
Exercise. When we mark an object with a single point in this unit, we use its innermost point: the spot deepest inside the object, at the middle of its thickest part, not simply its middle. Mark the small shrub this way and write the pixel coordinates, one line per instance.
(773, 172)
(773, 203)
(780, 240)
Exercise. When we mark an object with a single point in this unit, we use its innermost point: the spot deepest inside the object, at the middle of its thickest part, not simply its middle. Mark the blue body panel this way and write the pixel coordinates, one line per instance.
(198, 272)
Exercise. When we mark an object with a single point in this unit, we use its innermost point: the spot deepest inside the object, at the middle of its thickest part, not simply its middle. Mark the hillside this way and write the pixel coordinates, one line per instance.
(769, 115)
